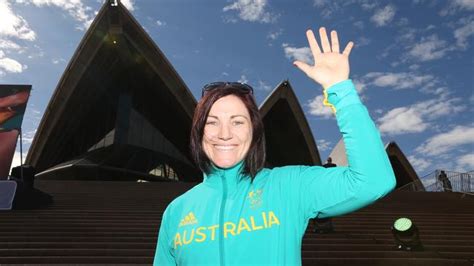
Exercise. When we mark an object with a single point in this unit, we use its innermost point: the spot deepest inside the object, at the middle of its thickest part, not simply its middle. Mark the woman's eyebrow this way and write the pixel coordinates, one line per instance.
(234, 116)
(231, 117)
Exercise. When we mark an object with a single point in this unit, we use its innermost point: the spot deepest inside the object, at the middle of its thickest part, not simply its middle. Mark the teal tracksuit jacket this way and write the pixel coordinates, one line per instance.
(229, 220)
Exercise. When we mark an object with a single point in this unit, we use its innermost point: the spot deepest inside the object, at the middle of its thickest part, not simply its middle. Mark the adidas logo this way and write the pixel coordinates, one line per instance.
(188, 219)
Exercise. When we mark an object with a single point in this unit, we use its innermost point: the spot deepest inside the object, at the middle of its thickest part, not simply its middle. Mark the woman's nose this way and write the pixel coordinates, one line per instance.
(225, 133)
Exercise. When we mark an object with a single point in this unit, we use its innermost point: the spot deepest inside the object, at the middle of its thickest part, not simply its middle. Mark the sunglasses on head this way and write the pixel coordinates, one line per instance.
(222, 84)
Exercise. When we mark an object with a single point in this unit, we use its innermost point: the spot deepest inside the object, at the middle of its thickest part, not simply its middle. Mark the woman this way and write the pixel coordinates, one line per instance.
(244, 214)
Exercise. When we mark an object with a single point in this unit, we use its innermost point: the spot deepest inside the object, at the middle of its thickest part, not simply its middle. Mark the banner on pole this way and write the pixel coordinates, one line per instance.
(13, 99)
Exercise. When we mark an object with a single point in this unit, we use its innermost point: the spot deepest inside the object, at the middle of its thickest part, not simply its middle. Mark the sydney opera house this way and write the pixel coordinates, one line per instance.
(113, 150)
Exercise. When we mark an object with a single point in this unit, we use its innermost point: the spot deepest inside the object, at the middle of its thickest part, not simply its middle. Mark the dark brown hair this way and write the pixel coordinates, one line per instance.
(255, 158)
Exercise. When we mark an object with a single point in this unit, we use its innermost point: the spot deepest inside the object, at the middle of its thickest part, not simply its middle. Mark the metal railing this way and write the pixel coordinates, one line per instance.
(416, 185)
(433, 182)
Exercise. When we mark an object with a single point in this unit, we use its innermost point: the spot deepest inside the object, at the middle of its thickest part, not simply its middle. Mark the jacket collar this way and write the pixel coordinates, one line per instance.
(232, 176)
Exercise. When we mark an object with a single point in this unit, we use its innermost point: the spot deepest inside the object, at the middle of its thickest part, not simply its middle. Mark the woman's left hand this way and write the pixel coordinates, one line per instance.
(330, 66)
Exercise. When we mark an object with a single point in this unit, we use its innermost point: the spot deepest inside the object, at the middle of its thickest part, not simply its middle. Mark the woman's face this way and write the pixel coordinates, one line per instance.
(228, 132)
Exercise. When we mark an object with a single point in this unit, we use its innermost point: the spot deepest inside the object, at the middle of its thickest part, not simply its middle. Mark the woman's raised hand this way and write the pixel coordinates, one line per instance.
(330, 66)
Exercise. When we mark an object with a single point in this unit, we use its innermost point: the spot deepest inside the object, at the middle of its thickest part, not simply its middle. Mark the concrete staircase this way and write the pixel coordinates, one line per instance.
(117, 223)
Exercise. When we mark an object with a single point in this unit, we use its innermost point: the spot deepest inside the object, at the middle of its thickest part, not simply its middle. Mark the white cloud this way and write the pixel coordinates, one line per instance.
(436, 108)
(419, 163)
(229, 19)
(403, 22)
(243, 79)
(378, 111)
(464, 4)
(414, 67)
(273, 35)
(403, 80)
(447, 141)
(129, 4)
(401, 120)
(13, 25)
(359, 24)
(28, 136)
(10, 65)
(58, 60)
(317, 108)
(362, 41)
(417, 117)
(252, 10)
(160, 23)
(263, 86)
(326, 7)
(320, 3)
(383, 16)
(368, 4)
(419, 1)
(360, 86)
(455, 6)
(302, 54)
(408, 35)
(463, 33)
(323, 145)
(75, 8)
(466, 161)
(37, 53)
(429, 48)
(9, 45)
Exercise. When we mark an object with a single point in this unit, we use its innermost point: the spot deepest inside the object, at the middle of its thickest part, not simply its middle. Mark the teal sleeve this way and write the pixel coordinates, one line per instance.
(164, 253)
(327, 192)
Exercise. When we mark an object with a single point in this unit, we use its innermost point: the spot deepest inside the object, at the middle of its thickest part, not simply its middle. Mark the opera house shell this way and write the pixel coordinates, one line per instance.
(121, 112)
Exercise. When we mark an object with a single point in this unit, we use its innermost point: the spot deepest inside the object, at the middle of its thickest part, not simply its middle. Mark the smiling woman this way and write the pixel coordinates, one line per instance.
(227, 127)
(228, 132)
(243, 213)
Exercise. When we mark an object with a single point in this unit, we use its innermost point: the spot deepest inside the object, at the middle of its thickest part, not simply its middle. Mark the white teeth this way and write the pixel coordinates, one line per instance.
(224, 147)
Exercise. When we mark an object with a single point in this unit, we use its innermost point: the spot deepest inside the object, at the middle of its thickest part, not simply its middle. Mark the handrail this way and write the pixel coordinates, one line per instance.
(453, 182)
(416, 185)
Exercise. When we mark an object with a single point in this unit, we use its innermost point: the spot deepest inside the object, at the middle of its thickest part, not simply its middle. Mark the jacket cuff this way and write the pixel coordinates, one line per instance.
(340, 95)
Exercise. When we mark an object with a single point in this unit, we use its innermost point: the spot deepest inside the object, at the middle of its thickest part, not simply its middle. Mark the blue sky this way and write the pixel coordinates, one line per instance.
(413, 60)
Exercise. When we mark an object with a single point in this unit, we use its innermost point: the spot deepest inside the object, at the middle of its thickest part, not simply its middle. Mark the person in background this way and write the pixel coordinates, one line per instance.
(443, 178)
(329, 163)
(324, 225)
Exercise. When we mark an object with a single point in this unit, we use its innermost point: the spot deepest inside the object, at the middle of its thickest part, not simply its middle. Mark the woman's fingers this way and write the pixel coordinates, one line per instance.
(348, 48)
(335, 42)
(324, 40)
(303, 67)
(313, 44)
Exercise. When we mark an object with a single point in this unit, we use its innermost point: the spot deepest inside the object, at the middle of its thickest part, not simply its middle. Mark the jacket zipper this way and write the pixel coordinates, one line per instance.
(221, 218)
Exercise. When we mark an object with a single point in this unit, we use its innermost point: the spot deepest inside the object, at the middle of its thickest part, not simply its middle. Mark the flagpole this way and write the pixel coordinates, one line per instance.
(21, 155)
